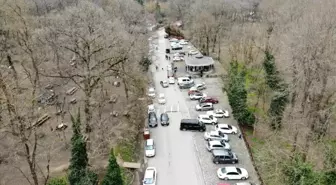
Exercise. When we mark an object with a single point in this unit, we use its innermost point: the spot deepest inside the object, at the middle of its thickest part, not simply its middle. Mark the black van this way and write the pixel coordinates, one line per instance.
(192, 124)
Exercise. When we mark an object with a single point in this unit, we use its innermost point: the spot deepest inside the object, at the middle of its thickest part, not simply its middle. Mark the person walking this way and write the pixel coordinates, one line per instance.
(156, 67)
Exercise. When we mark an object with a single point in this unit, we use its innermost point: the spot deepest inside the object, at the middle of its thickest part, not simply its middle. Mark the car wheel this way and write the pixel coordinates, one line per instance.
(226, 178)
(213, 123)
(233, 162)
(208, 139)
(184, 129)
(243, 178)
(216, 162)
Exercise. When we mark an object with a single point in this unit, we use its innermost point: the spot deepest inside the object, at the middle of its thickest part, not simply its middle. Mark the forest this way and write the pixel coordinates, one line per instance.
(279, 62)
(72, 77)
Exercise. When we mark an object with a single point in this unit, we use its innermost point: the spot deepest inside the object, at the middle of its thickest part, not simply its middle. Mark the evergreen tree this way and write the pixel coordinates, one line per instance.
(237, 95)
(79, 158)
(113, 175)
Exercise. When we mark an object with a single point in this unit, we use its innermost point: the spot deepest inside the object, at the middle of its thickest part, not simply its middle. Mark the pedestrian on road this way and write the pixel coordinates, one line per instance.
(168, 57)
(240, 136)
(156, 67)
(162, 69)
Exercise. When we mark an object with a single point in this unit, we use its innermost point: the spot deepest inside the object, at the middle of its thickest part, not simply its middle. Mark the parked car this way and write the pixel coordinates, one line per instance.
(245, 183)
(171, 80)
(185, 80)
(199, 87)
(151, 92)
(164, 119)
(204, 107)
(207, 119)
(164, 84)
(224, 157)
(215, 135)
(150, 148)
(197, 96)
(193, 52)
(193, 91)
(219, 113)
(208, 100)
(185, 86)
(192, 124)
(218, 145)
(150, 176)
(162, 99)
(226, 129)
(151, 108)
(232, 173)
(152, 119)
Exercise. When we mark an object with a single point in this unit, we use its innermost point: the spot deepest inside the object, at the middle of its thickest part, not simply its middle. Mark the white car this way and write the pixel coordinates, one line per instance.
(198, 87)
(218, 145)
(219, 113)
(197, 96)
(226, 129)
(150, 176)
(151, 108)
(207, 119)
(151, 92)
(193, 52)
(214, 135)
(150, 148)
(232, 173)
(204, 107)
(171, 80)
(162, 99)
(183, 42)
(164, 84)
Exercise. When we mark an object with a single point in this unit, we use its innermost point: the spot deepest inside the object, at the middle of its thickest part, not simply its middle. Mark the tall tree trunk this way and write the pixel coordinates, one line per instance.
(15, 75)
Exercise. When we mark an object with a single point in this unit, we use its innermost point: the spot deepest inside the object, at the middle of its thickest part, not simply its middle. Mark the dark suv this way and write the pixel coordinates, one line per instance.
(224, 157)
(152, 119)
(192, 124)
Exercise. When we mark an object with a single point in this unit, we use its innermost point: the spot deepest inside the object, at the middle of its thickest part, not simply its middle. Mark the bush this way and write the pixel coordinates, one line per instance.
(58, 181)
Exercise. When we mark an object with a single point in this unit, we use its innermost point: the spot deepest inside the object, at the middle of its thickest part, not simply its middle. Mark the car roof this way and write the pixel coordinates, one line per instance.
(220, 152)
(230, 169)
(213, 132)
(223, 125)
(243, 183)
(193, 121)
(149, 142)
(150, 172)
(204, 115)
(215, 142)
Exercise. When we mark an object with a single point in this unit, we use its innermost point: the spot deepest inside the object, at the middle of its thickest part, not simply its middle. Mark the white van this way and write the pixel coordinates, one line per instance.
(184, 80)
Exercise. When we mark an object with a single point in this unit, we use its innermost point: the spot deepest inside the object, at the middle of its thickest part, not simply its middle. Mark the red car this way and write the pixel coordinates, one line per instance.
(209, 100)
(193, 92)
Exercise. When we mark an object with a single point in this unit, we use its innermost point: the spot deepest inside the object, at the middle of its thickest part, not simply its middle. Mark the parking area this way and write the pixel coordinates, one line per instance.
(182, 157)
(238, 146)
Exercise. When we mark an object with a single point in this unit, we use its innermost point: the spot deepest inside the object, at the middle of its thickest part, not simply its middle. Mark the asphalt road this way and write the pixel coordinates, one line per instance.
(181, 157)
(176, 159)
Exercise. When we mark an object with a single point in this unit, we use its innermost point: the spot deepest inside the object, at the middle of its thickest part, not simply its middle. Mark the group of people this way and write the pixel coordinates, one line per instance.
(167, 57)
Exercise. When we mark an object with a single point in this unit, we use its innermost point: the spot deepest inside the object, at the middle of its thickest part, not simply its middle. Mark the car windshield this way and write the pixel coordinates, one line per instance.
(148, 181)
(149, 147)
(223, 170)
(229, 126)
(238, 170)
(164, 117)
